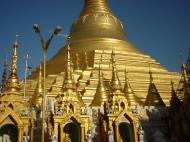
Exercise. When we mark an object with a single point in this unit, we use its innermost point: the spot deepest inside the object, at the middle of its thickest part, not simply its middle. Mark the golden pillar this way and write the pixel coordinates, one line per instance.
(20, 133)
(61, 132)
(110, 121)
(56, 130)
(32, 127)
(82, 127)
(135, 137)
(32, 133)
(117, 138)
(49, 128)
(86, 125)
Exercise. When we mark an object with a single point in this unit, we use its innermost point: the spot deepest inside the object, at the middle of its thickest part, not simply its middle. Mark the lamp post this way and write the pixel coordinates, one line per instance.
(45, 46)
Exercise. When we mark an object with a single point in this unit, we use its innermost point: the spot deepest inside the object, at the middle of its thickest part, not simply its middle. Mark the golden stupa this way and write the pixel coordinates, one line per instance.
(99, 87)
(93, 36)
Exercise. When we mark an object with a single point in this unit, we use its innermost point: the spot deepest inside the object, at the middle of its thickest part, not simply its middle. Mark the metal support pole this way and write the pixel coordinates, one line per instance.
(44, 95)
(45, 46)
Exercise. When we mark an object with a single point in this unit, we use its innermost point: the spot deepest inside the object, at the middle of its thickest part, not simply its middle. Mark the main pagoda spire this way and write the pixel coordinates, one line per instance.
(96, 28)
(96, 20)
(95, 6)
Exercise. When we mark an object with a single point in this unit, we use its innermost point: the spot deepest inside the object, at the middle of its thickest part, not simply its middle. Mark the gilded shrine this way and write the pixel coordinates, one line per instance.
(98, 88)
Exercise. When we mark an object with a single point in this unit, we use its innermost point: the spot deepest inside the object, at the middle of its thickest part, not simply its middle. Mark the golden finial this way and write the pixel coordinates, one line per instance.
(69, 81)
(77, 61)
(86, 59)
(150, 73)
(69, 70)
(128, 90)
(115, 83)
(186, 84)
(12, 83)
(174, 102)
(172, 85)
(184, 73)
(127, 86)
(101, 94)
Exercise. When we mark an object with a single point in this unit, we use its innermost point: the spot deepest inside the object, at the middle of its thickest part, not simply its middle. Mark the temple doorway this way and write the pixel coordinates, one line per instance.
(126, 132)
(9, 133)
(72, 132)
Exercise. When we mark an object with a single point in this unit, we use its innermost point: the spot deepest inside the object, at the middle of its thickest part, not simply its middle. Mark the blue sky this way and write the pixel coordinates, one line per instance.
(159, 28)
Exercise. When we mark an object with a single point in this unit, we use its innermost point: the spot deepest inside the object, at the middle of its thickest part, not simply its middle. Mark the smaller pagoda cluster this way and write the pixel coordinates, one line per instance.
(114, 114)
(114, 105)
(180, 106)
(16, 118)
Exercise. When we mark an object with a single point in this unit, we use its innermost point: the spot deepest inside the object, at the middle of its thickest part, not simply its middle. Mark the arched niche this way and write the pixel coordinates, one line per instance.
(72, 132)
(9, 132)
(126, 132)
(125, 123)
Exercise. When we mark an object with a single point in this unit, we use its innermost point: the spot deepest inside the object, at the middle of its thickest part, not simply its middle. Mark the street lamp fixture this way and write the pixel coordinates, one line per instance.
(45, 46)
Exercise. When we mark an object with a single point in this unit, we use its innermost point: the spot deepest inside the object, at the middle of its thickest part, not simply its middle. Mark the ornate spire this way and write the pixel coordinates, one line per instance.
(127, 87)
(69, 83)
(70, 97)
(186, 86)
(69, 70)
(153, 98)
(117, 99)
(174, 102)
(95, 6)
(172, 86)
(115, 83)
(184, 74)
(128, 90)
(4, 76)
(150, 72)
(182, 83)
(101, 95)
(188, 66)
(12, 83)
